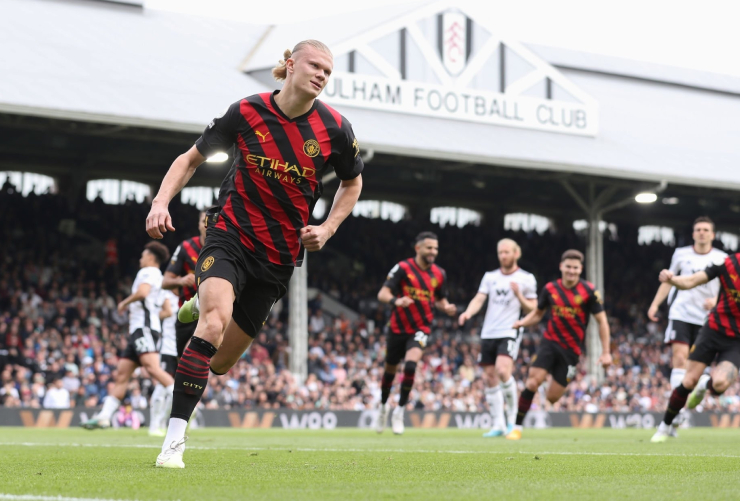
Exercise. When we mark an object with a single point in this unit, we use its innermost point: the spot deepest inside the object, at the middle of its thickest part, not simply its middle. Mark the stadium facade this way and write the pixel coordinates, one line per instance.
(447, 112)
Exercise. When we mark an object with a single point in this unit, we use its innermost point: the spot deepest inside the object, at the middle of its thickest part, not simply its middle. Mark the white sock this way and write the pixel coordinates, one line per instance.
(167, 408)
(197, 304)
(110, 405)
(156, 406)
(495, 399)
(175, 432)
(702, 384)
(510, 396)
(677, 377)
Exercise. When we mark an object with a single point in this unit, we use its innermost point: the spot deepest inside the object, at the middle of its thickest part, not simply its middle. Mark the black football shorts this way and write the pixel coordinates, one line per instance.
(681, 332)
(713, 345)
(562, 364)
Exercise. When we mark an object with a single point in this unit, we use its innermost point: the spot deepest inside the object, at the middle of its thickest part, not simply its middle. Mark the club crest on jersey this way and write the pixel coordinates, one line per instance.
(263, 137)
(555, 297)
(734, 278)
(311, 148)
(207, 263)
(577, 299)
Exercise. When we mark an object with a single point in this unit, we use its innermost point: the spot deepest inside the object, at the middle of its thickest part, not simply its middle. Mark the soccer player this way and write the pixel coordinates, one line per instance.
(571, 300)
(180, 274)
(414, 287)
(285, 141)
(511, 292)
(688, 310)
(719, 339)
(144, 329)
(158, 406)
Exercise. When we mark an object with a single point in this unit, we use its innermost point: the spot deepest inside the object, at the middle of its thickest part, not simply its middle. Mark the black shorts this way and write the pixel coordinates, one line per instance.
(712, 344)
(257, 284)
(559, 362)
(139, 342)
(491, 349)
(183, 333)
(398, 344)
(679, 331)
(168, 363)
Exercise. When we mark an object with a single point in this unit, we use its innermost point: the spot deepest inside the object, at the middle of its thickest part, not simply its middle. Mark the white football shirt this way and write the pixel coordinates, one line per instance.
(169, 341)
(503, 307)
(145, 313)
(688, 306)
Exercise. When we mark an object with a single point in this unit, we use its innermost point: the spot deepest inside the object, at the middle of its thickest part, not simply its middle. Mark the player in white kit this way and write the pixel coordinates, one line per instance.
(144, 327)
(688, 308)
(511, 294)
(161, 401)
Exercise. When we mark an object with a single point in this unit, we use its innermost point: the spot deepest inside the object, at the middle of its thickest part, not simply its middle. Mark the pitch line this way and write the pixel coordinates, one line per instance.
(398, 451)
(34, 497)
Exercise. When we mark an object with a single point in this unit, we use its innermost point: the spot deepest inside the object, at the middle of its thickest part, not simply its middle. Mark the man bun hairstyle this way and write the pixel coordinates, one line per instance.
(160, 252)
(703, 219)
(424, 235)
(280, 72)
(572, 254)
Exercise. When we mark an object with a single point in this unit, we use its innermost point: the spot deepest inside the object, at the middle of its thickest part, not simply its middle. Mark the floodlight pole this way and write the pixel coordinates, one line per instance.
(298, 321)
(595, 210)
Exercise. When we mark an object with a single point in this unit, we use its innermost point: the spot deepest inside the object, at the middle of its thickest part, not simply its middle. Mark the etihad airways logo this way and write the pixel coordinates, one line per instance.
(276, 169)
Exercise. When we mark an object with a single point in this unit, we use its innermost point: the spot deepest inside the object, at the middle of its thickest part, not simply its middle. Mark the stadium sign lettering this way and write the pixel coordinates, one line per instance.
(470, 105)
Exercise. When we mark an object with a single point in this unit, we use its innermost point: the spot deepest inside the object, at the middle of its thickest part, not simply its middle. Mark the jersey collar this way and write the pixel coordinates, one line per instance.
(284, 116)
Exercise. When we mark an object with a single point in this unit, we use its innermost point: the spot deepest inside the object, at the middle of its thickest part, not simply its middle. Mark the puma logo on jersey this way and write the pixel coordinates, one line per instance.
(262, 136)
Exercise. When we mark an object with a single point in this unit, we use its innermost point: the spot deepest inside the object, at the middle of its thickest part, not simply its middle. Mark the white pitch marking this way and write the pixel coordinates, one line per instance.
(421, 451)
(34, 497)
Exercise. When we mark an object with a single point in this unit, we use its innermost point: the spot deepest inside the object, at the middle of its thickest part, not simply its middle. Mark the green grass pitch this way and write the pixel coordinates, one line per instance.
(351, 464)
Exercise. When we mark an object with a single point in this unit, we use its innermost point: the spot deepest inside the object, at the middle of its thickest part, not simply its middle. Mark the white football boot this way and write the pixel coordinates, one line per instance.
(397, 421)
(383, 412)
(171, 457)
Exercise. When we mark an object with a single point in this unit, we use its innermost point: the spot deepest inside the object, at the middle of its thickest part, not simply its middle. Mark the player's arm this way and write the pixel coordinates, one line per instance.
(528, 304)
(663, 290)
(605, 335)
(166, 310)
(178, 175)
(315, 237)
(446, 306)
(473, 308)
(684, 282)
(385, 295)
(533, 318)
(141, 293)
(171, 281)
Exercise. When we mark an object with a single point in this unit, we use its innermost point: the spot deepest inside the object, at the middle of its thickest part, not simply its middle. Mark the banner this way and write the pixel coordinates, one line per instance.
(328, 420)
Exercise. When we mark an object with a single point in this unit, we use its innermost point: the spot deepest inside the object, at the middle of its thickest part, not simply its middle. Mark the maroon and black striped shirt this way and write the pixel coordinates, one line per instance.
(424, 287)
(275, 180)
(570, 310)
(725, 317)
(183, 262)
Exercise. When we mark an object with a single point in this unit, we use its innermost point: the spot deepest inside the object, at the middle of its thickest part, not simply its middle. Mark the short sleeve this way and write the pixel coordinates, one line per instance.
(485, 285)
(441, 290)
(347, 162)
(674, 267)
(543, 302)
(715, 269)
(595, 303)
(393, 280)
(150, 276)
(177, 262)
(530, 288)
(220, 135)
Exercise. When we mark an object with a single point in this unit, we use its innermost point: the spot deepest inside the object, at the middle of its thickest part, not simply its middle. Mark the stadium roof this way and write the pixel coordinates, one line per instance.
(155, 78)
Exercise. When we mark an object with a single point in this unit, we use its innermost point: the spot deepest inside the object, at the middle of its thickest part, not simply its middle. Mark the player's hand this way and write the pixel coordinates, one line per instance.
(710, 303)
(158, 222)
(653, 313)
(188, 280)
(518, 325)
(403, 302)
(451, 310)
(314, 237)
(605, 360)
(514, 287)
(665, 276)
(121, 307)
(464, 317)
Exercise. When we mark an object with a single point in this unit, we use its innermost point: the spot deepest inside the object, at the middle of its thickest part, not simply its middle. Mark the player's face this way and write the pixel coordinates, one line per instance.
(703, 233)
(427, 250)
(146, 259)
(310, 70)
(571, 270)
(507, 255)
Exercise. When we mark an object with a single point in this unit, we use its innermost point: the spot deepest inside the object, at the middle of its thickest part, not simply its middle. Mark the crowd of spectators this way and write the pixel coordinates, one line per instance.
(63, 269)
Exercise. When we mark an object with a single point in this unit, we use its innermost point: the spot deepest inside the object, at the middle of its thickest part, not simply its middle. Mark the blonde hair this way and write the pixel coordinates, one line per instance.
(280, 72)
(514, 245)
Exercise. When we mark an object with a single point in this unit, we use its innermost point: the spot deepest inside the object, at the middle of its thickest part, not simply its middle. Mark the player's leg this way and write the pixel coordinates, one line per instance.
(508, 351)
(494, 399)
(722, 376)
(233, 346)
(183, 333)
(386, 384)
(678, 336)
(162, 396)
(678, 399)
(535, 377)
(413, 348)
(102, 419)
